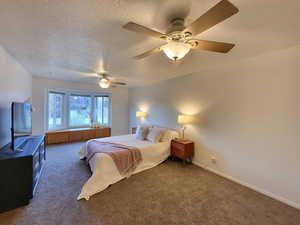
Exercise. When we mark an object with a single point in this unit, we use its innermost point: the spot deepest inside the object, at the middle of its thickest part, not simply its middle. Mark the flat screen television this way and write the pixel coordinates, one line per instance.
(21, 124)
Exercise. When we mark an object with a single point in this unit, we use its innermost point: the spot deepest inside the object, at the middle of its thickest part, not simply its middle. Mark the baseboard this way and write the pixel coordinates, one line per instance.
(253, 187)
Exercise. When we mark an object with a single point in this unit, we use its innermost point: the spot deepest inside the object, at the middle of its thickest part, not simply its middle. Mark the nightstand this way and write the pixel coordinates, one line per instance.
(183, 149)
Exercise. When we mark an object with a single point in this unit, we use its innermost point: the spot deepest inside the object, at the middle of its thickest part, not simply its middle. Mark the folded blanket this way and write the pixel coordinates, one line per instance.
(126, 158)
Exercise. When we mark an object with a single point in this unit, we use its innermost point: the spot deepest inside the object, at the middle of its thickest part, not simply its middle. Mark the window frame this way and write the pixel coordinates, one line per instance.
(66, 114)
(63, 109)
(109, 108)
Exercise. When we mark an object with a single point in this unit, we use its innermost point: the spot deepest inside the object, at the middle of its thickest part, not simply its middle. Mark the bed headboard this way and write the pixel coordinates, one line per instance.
(133, 129)
(168, 128)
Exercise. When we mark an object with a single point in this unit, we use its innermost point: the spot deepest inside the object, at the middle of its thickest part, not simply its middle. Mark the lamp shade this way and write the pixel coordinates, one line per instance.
(141, 114)
(185, 119)
(176, 50)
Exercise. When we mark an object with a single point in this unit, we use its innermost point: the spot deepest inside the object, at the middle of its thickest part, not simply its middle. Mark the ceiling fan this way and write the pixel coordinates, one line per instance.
(180, 38)
(105, 80)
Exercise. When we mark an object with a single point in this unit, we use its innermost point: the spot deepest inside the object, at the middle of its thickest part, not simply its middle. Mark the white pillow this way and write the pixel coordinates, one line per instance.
(169, 135)
(141, 132)
(155, 134)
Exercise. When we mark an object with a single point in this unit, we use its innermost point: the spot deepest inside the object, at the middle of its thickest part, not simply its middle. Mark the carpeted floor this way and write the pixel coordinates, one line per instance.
(167, 194)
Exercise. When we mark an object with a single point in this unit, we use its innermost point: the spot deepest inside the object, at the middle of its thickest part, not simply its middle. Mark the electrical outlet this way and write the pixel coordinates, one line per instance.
(213, 160)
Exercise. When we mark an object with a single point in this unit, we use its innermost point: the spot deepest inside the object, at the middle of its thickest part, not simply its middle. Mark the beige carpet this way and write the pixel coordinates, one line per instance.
(167, 194)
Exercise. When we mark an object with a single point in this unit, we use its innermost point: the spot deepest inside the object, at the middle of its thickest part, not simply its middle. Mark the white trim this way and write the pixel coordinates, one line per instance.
(253, 187)
(45, 128)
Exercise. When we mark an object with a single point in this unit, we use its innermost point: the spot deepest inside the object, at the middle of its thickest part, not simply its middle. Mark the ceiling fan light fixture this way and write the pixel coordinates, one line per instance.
(176, 50)
(104, 83)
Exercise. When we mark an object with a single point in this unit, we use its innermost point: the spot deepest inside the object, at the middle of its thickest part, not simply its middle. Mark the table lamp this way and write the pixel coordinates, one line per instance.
(184, 119)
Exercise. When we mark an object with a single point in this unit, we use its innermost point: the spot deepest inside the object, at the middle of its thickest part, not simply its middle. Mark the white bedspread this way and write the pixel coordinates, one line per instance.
(104, 170)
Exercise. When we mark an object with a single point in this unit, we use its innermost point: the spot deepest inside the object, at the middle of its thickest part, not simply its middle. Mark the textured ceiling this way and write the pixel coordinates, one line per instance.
(60, 38)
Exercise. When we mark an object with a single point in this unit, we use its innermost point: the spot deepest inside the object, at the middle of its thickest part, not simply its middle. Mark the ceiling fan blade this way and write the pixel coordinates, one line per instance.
(220, 12)
(118, 83)
(213, 46)
(90, 75)
(150, 52)
(141, 29)
(78, 69)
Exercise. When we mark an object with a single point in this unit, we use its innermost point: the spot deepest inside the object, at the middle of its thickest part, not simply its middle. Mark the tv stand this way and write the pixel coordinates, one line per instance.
(20, 172)
(17, 150)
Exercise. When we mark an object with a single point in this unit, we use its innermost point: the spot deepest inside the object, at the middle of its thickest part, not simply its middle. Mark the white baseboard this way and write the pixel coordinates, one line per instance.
(267, 193)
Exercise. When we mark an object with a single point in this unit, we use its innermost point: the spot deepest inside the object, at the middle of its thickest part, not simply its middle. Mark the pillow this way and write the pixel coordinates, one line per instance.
(141, 132)
(169, 135)
(155, 134)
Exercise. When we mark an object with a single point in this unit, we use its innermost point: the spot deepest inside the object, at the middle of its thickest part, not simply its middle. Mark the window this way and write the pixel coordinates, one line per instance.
(55, 110)
(80, 109)
(102, 110)
(69, 109)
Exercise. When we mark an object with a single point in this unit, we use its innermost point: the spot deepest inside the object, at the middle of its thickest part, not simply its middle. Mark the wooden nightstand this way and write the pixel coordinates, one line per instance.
(183, 149)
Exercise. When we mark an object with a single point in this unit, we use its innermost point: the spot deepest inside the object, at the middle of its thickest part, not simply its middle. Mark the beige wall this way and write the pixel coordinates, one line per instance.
(15, 85)
(248, 119)
(119, 103)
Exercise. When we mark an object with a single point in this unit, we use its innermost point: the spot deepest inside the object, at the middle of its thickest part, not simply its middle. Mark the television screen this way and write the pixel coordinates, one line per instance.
(21, 122)
(22, 119)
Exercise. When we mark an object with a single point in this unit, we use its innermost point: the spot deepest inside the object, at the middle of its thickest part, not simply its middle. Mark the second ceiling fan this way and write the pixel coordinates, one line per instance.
(104, 79)
(180, 38)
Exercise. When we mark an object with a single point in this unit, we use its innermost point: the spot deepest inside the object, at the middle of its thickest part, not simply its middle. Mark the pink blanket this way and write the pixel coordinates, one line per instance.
(125, 157)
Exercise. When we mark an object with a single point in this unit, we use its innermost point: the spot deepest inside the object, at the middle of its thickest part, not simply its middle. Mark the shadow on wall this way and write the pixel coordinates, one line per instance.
(5, 125)
(204, 155)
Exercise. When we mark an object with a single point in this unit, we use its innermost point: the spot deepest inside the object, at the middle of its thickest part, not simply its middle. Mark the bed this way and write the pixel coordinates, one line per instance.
(104, 170)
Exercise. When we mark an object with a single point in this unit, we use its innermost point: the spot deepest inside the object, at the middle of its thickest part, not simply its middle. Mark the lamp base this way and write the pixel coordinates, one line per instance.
(183, 128)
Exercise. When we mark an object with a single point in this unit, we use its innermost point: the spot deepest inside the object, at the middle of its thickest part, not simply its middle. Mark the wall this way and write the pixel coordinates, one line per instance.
(15, 85)
(247, 118)
(119, 103)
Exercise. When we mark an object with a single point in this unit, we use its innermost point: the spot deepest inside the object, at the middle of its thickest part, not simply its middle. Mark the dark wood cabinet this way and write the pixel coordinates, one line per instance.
(183, 149)
(20, 172)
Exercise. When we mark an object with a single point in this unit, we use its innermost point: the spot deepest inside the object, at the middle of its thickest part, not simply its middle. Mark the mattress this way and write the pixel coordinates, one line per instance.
(104, 170)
